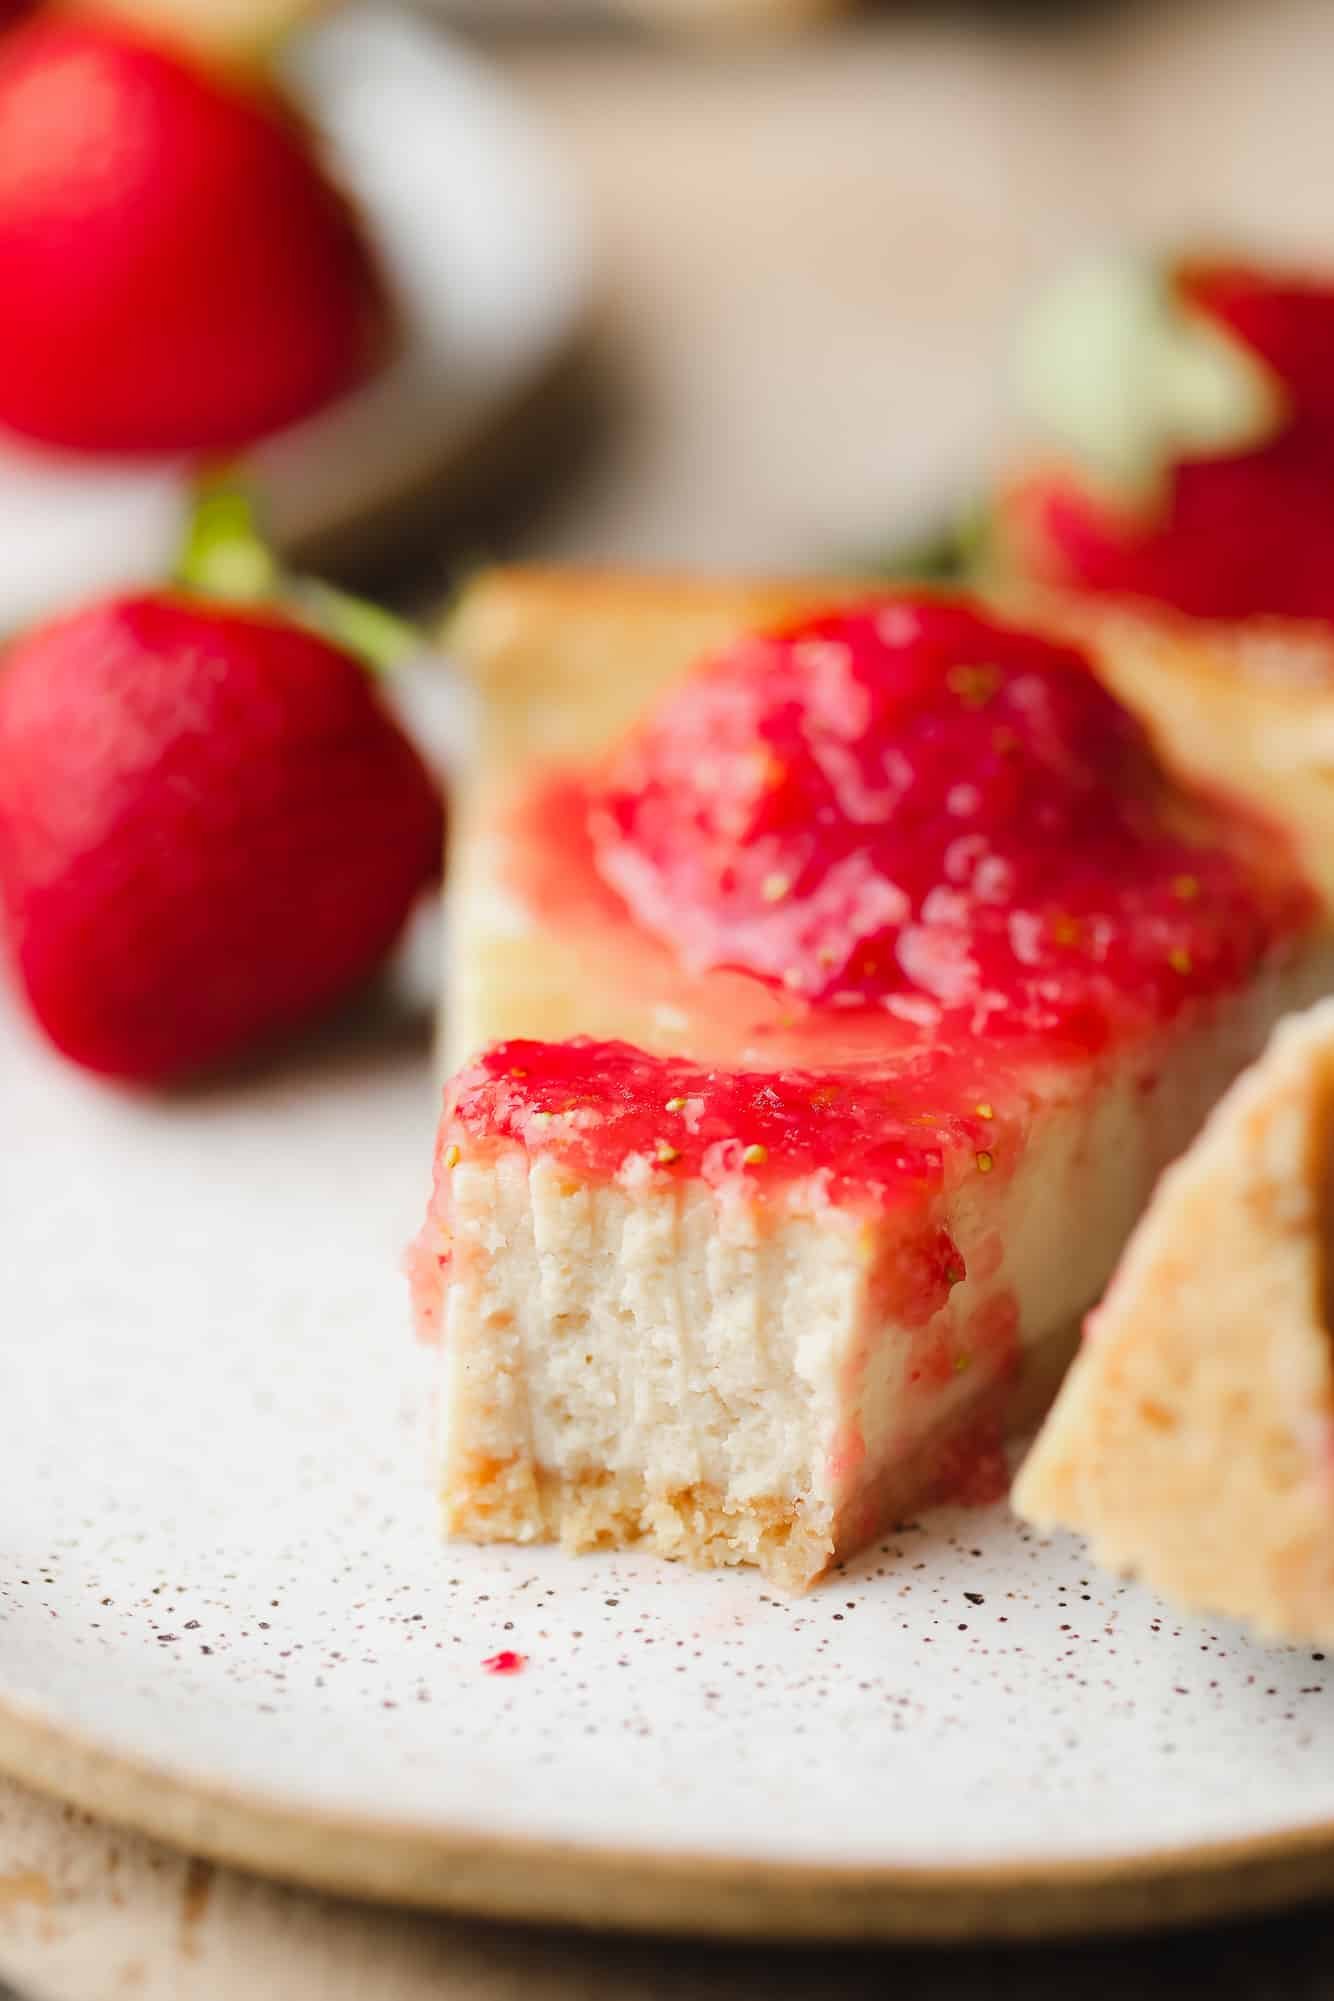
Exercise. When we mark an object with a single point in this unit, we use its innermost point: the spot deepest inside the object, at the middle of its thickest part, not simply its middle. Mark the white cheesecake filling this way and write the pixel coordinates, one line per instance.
(669, 1335)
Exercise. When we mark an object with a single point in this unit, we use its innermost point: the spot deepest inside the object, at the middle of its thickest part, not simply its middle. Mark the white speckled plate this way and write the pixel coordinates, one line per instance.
(225, 1615)
(486, 258)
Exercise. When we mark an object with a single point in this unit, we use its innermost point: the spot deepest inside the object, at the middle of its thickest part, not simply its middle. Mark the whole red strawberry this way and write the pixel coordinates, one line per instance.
(210, 830)
(1226, 532)
(176, 272)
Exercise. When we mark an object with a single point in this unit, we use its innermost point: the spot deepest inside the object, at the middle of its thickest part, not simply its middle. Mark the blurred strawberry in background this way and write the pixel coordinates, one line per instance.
(1194, 406)
(211, 830)
(178, 273)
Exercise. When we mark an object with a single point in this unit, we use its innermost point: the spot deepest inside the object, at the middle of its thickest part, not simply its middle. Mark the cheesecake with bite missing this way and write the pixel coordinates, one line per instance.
(823, 1030)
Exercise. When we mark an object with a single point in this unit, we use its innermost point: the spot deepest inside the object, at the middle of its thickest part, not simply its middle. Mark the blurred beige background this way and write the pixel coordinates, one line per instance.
(814, 249)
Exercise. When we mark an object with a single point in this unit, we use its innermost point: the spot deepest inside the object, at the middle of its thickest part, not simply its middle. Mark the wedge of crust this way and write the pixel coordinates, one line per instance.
(1193, 1440)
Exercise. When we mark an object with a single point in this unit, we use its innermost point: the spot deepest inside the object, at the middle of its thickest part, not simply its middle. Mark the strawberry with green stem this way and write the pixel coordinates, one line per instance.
(212, 829)
(1191, 405)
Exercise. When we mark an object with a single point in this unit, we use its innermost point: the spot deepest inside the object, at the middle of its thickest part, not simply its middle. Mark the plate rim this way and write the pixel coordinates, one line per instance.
(689, 1893)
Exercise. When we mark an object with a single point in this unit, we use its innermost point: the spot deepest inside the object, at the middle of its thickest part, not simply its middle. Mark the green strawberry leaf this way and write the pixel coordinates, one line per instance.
(225, 557)
(379, 638)
(953, 553)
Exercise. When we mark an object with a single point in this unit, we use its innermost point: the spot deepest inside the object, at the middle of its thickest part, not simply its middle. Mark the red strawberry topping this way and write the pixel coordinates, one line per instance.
(909, 805)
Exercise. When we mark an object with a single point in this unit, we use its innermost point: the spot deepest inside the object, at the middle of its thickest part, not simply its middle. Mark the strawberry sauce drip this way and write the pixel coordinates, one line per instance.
(908, 806)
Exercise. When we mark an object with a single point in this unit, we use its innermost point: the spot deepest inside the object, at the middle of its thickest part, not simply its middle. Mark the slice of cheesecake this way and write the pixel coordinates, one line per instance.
(897, 968)
(1193, 1441)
